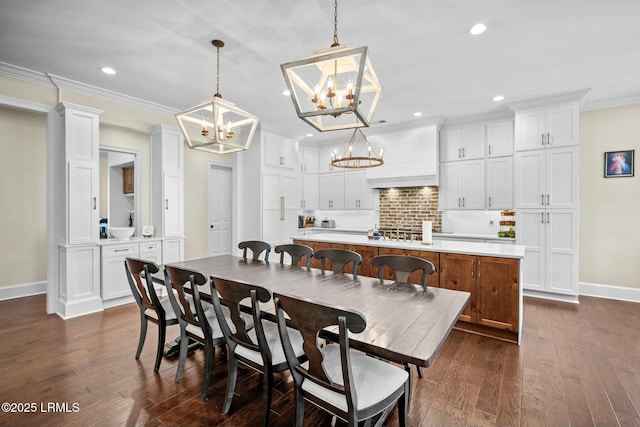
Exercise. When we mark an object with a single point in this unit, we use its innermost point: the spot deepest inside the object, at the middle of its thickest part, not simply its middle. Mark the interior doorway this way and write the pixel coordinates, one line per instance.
(219, 202)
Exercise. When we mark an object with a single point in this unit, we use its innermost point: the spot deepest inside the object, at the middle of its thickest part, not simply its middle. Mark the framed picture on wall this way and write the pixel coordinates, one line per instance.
(618, 163)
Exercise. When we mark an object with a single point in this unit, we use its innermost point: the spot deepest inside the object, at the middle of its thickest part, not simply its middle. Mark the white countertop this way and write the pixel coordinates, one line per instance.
(135, 239)
(449, 246)
(438, 235)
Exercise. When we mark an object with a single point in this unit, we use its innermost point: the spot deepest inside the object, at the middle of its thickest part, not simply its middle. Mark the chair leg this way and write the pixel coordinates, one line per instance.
(419, 369)
(231, 383)
(403, 406)
(267, 387)
(299, 407)
(184, 347)
(209, 352)
(162, 332)
(408, 392)
(143, 334)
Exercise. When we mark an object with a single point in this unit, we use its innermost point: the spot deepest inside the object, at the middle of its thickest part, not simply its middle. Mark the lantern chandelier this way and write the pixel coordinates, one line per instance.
(357, 157)
(216, 125)
(335, 88)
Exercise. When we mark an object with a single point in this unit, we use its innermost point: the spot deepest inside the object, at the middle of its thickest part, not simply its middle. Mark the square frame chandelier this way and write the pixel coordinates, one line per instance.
(216, 125)
(335, 88)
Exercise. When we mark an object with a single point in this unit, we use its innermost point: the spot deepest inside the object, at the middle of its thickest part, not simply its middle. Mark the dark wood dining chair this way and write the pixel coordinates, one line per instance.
(259, 348)
(296, 252)
(339, 258)
(403, 265)
(152, 308)
(348, 384)
(195, 323)
(257, 247)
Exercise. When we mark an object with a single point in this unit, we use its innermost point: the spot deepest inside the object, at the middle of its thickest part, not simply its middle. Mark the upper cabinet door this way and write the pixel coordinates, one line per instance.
(500, 183)
(279, 151)
(450, 145)
(562, 126)
(500, 139)
(83, 202)
(308, 160)
(473, 142)
(530, 130)
(530, 179)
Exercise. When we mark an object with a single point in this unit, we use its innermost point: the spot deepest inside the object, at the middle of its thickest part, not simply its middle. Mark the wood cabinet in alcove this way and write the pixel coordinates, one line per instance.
(127, 180)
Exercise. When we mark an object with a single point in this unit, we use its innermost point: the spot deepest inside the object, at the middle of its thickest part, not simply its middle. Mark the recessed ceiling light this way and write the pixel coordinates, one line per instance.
(478, 29)
(309, 135)
(498, 98)
(417, 114)
(108, 70)
(286, 92)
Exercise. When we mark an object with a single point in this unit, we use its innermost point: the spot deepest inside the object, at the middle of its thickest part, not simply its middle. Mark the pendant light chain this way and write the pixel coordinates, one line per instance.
(218, 72)
(335, 24)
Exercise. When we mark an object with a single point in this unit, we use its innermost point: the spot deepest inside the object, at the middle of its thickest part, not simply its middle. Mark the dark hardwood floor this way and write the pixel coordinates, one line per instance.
(578, 365)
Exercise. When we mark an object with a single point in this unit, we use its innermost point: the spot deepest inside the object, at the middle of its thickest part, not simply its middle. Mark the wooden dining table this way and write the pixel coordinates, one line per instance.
(405, 324)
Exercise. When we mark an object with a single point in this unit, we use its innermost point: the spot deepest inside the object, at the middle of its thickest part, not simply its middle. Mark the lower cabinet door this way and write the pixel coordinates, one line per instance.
(114, 276)
(458, 272)
(497, 296)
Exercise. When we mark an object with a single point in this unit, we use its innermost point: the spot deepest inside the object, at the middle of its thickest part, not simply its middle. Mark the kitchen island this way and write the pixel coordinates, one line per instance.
(491, 272)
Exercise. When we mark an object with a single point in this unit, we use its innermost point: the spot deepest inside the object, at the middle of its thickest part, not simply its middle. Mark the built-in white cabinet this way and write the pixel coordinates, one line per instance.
(500, 139)
(307, 159)
(279, 151)
(172, 250)
(546, 197)
(499, 184)
(114, 281)
(357, 194)
(308, 191)
(279, 207)
(74, 132)
(167, 181)
(550, 237)
(331, 191)
(462, 185)
(463, 143)
(555, 126)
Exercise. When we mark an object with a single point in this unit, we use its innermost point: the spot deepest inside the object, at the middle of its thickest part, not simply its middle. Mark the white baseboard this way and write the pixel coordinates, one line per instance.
(610, 292)
(573, 299)
(22, 290)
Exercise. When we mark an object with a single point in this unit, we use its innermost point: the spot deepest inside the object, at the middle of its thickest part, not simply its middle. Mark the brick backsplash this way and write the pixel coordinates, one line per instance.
(408, 207)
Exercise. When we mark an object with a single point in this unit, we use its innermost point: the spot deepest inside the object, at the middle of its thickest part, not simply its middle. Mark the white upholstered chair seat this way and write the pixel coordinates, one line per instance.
(374, 379)
(275, 346)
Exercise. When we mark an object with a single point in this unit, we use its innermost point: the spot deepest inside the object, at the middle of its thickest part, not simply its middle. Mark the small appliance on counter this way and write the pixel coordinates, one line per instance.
(103, 224)
(301, 221)
(310, 221)
(328, 223)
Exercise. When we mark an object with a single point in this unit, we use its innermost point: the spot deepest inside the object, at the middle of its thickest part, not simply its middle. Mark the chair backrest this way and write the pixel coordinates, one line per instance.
(233, 293)
(182, 284)
(142, 288)
(339, 258)
(403, 265)
(296, 251)
(310, 318)
(257, 247)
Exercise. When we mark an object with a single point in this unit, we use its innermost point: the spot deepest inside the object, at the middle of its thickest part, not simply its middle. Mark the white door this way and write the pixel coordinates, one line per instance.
(219, 210)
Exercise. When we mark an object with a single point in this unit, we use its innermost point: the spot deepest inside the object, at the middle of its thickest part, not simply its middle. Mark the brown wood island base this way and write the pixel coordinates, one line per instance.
(491, 275)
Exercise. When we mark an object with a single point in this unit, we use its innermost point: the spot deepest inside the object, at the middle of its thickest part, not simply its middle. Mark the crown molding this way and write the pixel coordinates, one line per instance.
(578, 96)
(493, 116)
(611, 103)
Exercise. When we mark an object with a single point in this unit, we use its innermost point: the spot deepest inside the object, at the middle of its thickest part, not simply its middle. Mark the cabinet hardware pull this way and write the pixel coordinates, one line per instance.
(462, 151)
(541, 217)
(459, 152)
(548, 139)
(281, 208)
(489, 149)
(94, 203)
(459, 202)
(489, 201)
(121, 250)
(548, 215)
(542, 199)
(542, 139)
(463, 202)
(166, 204)
(548, 202)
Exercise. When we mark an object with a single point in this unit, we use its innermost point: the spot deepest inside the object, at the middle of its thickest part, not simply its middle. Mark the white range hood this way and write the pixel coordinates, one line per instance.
(410, 158)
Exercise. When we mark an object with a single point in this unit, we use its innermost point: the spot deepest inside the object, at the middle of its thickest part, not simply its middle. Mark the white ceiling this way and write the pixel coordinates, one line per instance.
(421, 49)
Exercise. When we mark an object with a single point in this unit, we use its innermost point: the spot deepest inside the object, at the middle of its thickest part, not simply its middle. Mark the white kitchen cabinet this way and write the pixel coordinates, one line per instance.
(307, 159)
(167, 183)
(462, 185)
(550, 237)
(324, 159)
(547, 178)
(499, 185)
(357, 194)
(151, 251)
(279, 208)
(172, 250)
(279, 151)
(463, 143)
(331, 191)
(308, 191)
(555, 126)
(74, 278)
(500, 139)
(114, 278)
